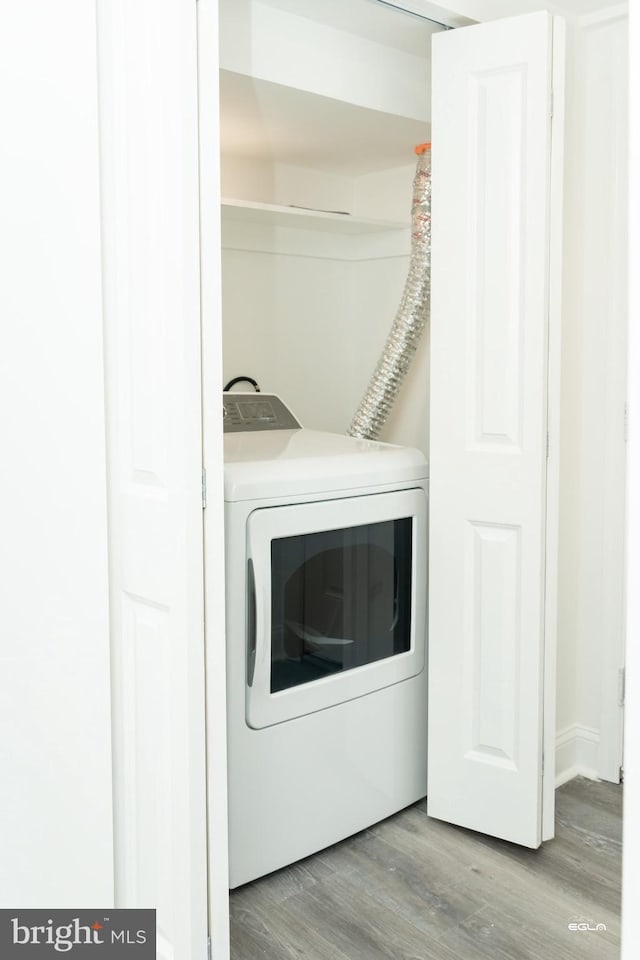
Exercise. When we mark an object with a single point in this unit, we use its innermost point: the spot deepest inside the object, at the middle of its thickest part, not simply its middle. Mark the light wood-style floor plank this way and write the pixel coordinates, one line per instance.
(413, 888)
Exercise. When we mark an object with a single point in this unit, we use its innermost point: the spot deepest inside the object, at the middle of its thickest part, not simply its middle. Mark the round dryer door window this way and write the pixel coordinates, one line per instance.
(340, 599)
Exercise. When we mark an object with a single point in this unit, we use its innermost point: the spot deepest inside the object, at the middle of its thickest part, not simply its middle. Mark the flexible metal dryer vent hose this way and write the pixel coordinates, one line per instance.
(412, 314)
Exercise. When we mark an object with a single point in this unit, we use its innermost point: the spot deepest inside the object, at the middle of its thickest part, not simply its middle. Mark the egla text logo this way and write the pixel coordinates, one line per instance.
(583, 925)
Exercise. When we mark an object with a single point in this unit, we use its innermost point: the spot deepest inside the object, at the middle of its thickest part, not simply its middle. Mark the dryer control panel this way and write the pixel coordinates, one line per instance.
(243, 412)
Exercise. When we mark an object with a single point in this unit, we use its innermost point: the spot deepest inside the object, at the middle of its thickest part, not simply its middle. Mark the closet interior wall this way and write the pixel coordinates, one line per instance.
(320, 111)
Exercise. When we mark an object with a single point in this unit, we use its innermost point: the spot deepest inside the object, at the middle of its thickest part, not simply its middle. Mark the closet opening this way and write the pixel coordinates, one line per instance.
(321, 106)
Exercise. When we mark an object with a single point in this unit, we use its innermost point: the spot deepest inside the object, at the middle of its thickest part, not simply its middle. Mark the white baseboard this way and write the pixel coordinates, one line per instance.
(576, 753)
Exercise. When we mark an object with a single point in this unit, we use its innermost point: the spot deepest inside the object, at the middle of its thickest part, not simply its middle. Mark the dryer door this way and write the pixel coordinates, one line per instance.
(339, 602)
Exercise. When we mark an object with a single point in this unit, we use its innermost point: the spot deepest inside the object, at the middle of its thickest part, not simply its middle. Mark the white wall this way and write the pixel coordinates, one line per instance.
(308, 313)
(311, 328)
(55, 752)
(284, 324)
(590, 641)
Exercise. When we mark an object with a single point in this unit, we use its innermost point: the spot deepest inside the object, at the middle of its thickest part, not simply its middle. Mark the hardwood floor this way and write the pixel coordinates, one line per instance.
(412, 888)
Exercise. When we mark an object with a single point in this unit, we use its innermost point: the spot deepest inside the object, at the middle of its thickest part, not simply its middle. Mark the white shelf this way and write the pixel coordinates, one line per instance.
(276, 215)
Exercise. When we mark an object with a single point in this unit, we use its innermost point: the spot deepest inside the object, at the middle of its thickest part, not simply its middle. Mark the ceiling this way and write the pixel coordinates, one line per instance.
(495, 9)
(369, 19)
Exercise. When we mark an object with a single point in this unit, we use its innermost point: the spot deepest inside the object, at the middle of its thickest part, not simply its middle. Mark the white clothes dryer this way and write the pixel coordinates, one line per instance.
(326, 601)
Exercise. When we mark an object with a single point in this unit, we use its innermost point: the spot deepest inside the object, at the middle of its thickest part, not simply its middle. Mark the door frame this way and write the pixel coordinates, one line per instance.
(212, 451)
(556, 220)
(211, 308)
(213, 479)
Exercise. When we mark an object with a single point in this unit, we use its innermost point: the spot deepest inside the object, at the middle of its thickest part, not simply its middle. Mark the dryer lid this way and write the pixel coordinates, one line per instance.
(286, 463)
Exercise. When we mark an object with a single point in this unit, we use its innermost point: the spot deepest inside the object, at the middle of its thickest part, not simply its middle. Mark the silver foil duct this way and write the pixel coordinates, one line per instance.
(411, 317)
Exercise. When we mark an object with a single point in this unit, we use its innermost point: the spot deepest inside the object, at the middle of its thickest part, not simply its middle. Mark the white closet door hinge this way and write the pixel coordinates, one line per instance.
(204, 489)
(547, 444)
(621, 686)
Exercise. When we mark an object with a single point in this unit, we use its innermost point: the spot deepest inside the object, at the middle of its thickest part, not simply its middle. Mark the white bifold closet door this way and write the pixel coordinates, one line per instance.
(493, 397)
(150, 231)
